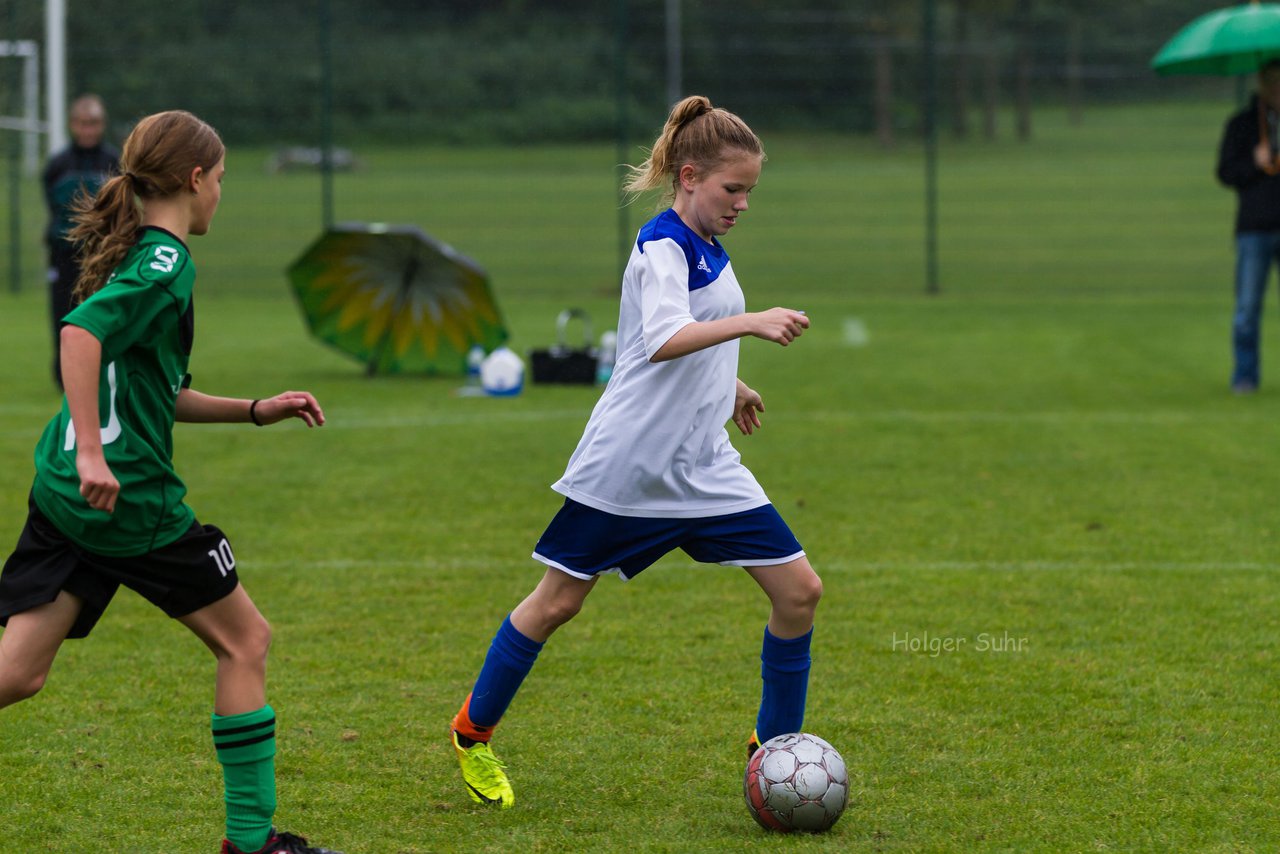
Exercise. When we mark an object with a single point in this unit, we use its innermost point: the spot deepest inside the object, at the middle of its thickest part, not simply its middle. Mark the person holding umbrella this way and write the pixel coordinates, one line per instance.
(1242, 39)
(1249, 163)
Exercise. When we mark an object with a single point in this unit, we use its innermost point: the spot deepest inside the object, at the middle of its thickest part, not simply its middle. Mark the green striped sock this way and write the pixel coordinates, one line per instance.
(246, 747)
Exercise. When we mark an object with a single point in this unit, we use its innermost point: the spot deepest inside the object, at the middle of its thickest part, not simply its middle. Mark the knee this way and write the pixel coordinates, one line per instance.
(251, 644)
(810, 592)
(803, 596)
(554, 602)
(16, 687)
(258, 641)
(561, 610)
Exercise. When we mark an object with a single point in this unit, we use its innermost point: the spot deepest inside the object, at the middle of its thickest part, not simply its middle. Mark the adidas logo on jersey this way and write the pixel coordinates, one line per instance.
(702, 264)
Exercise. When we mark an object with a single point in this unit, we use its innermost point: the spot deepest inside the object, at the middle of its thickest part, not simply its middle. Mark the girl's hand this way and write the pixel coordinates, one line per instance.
(746, 406)
(780, 325)
(97, 484)
(289, 404)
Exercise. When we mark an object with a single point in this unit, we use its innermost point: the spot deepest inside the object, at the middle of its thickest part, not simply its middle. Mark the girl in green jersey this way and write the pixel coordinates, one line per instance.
(106, 506)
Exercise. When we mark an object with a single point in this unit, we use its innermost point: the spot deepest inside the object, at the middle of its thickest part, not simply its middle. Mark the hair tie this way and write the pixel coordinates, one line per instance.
(131, 176)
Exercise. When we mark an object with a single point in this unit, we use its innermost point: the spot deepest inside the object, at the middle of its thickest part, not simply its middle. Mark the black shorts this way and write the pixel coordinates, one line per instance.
(193, 571)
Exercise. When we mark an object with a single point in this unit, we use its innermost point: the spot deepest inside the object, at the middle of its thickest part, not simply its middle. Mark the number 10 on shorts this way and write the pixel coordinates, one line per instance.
(223, 557)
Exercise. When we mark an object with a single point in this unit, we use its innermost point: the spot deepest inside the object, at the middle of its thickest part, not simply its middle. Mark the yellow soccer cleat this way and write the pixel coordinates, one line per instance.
(484, 773)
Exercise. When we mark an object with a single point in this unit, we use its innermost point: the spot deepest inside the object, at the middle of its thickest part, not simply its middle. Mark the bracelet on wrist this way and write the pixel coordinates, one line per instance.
(253, 415)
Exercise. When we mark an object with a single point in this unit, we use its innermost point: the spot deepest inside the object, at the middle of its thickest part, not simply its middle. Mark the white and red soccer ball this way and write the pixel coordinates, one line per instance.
(795, 782)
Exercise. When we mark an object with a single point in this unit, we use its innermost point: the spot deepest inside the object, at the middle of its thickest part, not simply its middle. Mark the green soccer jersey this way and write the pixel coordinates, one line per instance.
(146, 322)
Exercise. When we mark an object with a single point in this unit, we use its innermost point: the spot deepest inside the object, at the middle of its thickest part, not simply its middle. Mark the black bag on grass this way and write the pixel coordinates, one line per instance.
(563, 364)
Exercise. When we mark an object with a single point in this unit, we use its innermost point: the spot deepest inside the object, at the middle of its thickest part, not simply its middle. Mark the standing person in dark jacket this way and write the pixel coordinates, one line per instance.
(83, 166)
(1249, 162)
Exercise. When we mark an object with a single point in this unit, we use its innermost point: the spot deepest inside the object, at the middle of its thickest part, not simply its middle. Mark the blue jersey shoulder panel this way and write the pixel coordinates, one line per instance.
(706, 260)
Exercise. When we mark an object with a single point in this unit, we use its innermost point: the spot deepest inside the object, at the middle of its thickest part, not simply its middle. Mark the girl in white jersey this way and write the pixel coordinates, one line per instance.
(654, 470)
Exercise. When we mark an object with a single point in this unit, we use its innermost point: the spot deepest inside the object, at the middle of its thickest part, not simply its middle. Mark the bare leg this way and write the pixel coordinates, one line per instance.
(239, 637)
(793, 590)
(555, 601)
(29, 644)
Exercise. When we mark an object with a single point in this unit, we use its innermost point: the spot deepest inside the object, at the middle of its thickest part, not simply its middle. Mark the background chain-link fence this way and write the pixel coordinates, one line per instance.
(402, 73)
(507, 70)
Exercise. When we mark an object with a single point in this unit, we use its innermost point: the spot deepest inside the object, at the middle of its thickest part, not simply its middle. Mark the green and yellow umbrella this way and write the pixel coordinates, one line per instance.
(1236, 40)
(396, 299)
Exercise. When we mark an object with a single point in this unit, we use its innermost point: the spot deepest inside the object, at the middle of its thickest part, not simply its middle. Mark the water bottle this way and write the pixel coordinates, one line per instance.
(608, 352)
(475, 358)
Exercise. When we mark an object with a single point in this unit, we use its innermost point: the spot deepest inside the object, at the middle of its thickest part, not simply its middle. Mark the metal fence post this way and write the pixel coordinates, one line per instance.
(624, 133)
(326, 113)
(930, 38)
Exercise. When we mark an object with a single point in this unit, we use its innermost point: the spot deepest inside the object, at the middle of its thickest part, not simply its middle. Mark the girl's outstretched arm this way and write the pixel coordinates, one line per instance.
(780, 325)
(197, 407)
(81, 357)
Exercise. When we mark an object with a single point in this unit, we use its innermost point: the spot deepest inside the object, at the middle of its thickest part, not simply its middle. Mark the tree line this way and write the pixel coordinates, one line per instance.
(560, 70)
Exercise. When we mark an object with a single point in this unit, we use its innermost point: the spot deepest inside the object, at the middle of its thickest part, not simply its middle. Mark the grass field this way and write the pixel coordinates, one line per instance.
(1041, 467)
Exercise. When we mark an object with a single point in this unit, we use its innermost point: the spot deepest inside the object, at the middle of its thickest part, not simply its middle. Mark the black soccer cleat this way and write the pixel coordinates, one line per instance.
(280, 843)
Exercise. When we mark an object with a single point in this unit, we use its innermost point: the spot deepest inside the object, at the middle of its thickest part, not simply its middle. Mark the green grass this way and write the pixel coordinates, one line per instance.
(1046, 451)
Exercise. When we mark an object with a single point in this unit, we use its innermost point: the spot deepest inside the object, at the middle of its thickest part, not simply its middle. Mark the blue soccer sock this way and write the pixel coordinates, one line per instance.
(511, 657)
(784, 668)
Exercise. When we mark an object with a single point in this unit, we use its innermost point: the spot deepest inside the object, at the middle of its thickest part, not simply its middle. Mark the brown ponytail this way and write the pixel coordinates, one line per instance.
(697, 133)
(157, 160)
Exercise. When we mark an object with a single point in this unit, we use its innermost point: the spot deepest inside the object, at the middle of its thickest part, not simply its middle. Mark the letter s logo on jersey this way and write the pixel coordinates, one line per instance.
(166, 257)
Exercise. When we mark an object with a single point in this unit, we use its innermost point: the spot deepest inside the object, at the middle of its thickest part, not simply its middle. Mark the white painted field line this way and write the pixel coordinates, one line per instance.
(446, 419)
(24, 410)
(1053, 566)
(1043, 417)
(824, 567)
(341, 421)
(337, 421)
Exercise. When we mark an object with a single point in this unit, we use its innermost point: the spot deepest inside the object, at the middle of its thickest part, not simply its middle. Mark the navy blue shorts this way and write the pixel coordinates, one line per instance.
(585, 542)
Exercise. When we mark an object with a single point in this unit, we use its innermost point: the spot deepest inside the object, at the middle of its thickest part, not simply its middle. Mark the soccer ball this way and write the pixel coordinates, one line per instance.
(796, 781)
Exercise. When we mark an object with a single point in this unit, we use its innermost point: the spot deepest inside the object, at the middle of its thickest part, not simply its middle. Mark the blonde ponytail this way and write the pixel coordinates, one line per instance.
(695, 132)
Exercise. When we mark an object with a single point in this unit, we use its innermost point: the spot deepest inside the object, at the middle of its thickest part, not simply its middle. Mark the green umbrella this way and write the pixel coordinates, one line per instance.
(396, 299)
(1237, 40)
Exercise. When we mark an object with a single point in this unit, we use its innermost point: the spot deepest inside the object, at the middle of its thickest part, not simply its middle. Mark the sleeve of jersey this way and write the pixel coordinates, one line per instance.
(123, 312)
(664, 293)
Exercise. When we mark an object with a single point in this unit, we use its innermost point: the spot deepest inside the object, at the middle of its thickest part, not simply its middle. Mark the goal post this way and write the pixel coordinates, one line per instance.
(28, 123)
(30, 127)
(55, 35)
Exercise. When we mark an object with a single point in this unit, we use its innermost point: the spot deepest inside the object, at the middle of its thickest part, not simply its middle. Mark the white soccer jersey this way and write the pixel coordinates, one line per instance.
(656, 443)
